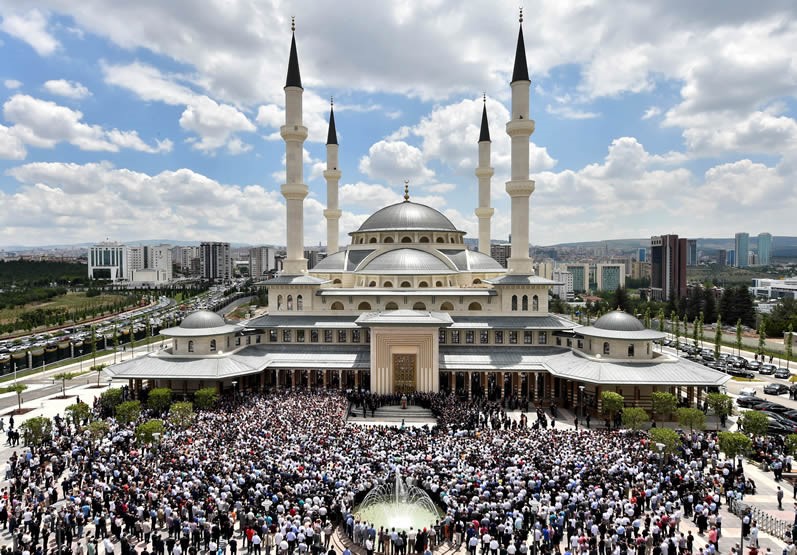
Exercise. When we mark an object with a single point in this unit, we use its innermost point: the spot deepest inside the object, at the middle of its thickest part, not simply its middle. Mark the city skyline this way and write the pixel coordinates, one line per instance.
(110, 126)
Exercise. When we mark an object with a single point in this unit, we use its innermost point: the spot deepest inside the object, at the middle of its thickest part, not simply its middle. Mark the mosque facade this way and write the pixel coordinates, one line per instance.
(406, 306)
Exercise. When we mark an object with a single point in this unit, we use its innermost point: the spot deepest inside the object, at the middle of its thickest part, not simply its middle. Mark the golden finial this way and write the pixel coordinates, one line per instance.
(406, 190)
(293, 22)
(521, 14)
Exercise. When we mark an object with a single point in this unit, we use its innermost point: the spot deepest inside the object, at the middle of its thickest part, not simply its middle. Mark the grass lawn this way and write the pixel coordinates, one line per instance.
(740, 379)
(70, 301)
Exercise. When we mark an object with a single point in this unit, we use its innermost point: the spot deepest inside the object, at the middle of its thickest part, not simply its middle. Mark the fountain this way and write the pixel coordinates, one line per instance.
(398, 506)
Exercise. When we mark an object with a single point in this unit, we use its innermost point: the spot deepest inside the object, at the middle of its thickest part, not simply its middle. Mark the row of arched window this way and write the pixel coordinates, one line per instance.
(337, 305)
(289, 303)
(607, 349)
(524, 303)
(406, 239)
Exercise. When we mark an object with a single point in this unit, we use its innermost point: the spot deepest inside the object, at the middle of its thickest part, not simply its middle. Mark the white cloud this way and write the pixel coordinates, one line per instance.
(214, 123)
(30, 27)
(11, 147)
(651, 112)
(44, 124)
(395, 161)
(12, 84)
(568, 112)
(69, 89)
(147, 82)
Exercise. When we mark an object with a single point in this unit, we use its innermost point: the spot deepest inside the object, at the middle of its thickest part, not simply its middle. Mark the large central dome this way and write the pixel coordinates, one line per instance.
(407, 215)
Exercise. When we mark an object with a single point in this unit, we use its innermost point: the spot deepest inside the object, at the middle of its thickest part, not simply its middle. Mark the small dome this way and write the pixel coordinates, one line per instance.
(405, 261)
(618, 320)
(407, 215)
(202, 319)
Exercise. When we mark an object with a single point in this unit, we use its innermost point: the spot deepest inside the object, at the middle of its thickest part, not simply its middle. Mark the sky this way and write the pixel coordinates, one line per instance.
(160, 120)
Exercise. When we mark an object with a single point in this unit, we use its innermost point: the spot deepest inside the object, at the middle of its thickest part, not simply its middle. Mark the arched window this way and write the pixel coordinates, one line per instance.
(212, 345)
(336, 281)
(453, 240)
(419, 306)
(391, 306)
(372, 240)
(423, 284)
(388, 239)
(423, 239)
(388, 284)
(372, 284)
(477, 281)
(406, 239)
(440, 240)
(190, 346)
(364, 306)
(525, 303)
(606, 349)
(362, 240)
(406, 284)
(299, 303)
(228, 341)
(514, 302)
(290, 302)
(535, 303)
(337, 305)
(631, 350)
(446, 306)
(438, 283)
(474, 306)
(279, 302)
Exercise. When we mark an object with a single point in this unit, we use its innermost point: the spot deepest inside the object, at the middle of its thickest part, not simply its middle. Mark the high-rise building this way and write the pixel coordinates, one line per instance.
(214, 261)
(187, 259)
(160, 258)
(564, 285)
(731, 260)
(691, 252)
(609, 277)
(261, 261)
(108, 260)
(722, 257)
(136, 260)
(668, 267)
(642, 254)
(764, 249)
(501, 253)
(580, 274)
(742, 247)
(314, 256)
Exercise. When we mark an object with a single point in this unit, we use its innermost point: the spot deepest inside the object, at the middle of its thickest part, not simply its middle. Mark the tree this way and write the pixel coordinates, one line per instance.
(734, 444)
(621, 300)
(94, 351)
(64, 377)
(612, 404)
(17, 388)
(762, 337)
(159, 399)
(788, 342)
(79, 412)
(669, 438)
(695, 331)
(98, 429)
(128, 411)
(660, 317)
(205, 398)
(647, 317)
(663, 403)
(110, 399)
(98, 368)
(754, 423)
(677, 324)
(710, 307)
(37, 430)
(718, 338)
(721, 405)
(181, 415)
(694, 419)
(634, 417)
(791, 444)
(145, 432)
(739, 337)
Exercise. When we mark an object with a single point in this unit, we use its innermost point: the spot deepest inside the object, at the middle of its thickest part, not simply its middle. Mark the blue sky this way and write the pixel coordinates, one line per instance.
(152, 119)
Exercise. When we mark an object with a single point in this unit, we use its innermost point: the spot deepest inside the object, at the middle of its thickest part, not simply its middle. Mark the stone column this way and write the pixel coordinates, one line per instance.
(501, 383)
(324, 377)
(469, 378)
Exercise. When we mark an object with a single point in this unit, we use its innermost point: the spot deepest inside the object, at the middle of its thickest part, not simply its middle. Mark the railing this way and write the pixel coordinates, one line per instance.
(766, 522)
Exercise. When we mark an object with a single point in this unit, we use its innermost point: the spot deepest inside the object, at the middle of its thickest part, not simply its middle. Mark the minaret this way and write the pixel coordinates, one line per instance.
(520, 187)
(294, 190)
(484, 172)
(332, 175)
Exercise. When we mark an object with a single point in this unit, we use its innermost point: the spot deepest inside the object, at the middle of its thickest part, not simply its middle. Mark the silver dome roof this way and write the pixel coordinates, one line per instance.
(407, 215)
(406, 261)
(618, 320)
(202, 319)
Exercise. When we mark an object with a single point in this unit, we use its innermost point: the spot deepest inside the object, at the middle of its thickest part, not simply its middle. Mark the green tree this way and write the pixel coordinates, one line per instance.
(205, 398)
(128, 412)
(739, 337)
(660, 317)
(181, 415)
(762, 337)
(788, 342)
(718, 338)
(94, 351)
(621, 300)
(612, 403)
(111, 398)
(18, 388)
(694, 419)
(79, 413)
(159, 399)
(663, 403)
(734, 444)
(754, 423)
(145, 432)
(669, 438)
(37, 430)
(695, 331)
(647, 317)
(677, 324)
(634, 418)
(721, 405)
(98, 429)
(710, 307)
(791, 444)
(64, 377)
(98, 368)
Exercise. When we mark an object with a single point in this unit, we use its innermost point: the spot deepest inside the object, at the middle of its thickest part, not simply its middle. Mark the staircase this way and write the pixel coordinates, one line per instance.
(393, 415)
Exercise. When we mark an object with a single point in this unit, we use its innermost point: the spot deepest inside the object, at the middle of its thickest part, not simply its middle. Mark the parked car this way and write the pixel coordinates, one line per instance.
(782, 373)
(776, 389)
(749, 401)
(790, 414)
(740, 372)
(767, 369)
(782, 420)
(753, 365)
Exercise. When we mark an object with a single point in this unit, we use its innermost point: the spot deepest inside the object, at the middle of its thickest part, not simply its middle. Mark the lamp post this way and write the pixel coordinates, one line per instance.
(660, 447)
(581, 401)
(235, 390)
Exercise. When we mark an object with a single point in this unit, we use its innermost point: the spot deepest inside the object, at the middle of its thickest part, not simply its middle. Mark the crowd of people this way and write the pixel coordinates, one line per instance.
(277, 472)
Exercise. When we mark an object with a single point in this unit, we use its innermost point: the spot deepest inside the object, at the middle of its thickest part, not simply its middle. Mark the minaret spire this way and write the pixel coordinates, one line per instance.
(520, 186)
(484, 172)
(294, 190)
(332, 175)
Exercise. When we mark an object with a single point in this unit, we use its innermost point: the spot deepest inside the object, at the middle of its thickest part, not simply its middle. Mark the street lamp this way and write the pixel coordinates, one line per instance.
(581, 401)
(660, 447)
(235, 389)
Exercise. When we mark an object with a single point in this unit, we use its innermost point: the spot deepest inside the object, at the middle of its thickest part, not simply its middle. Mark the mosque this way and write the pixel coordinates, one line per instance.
(406, 306)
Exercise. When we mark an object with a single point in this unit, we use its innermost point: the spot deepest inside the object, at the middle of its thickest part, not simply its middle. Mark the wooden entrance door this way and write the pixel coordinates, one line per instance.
(404, 370)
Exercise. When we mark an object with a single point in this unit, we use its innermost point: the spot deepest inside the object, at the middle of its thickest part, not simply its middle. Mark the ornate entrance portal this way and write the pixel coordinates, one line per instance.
(404, 370)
